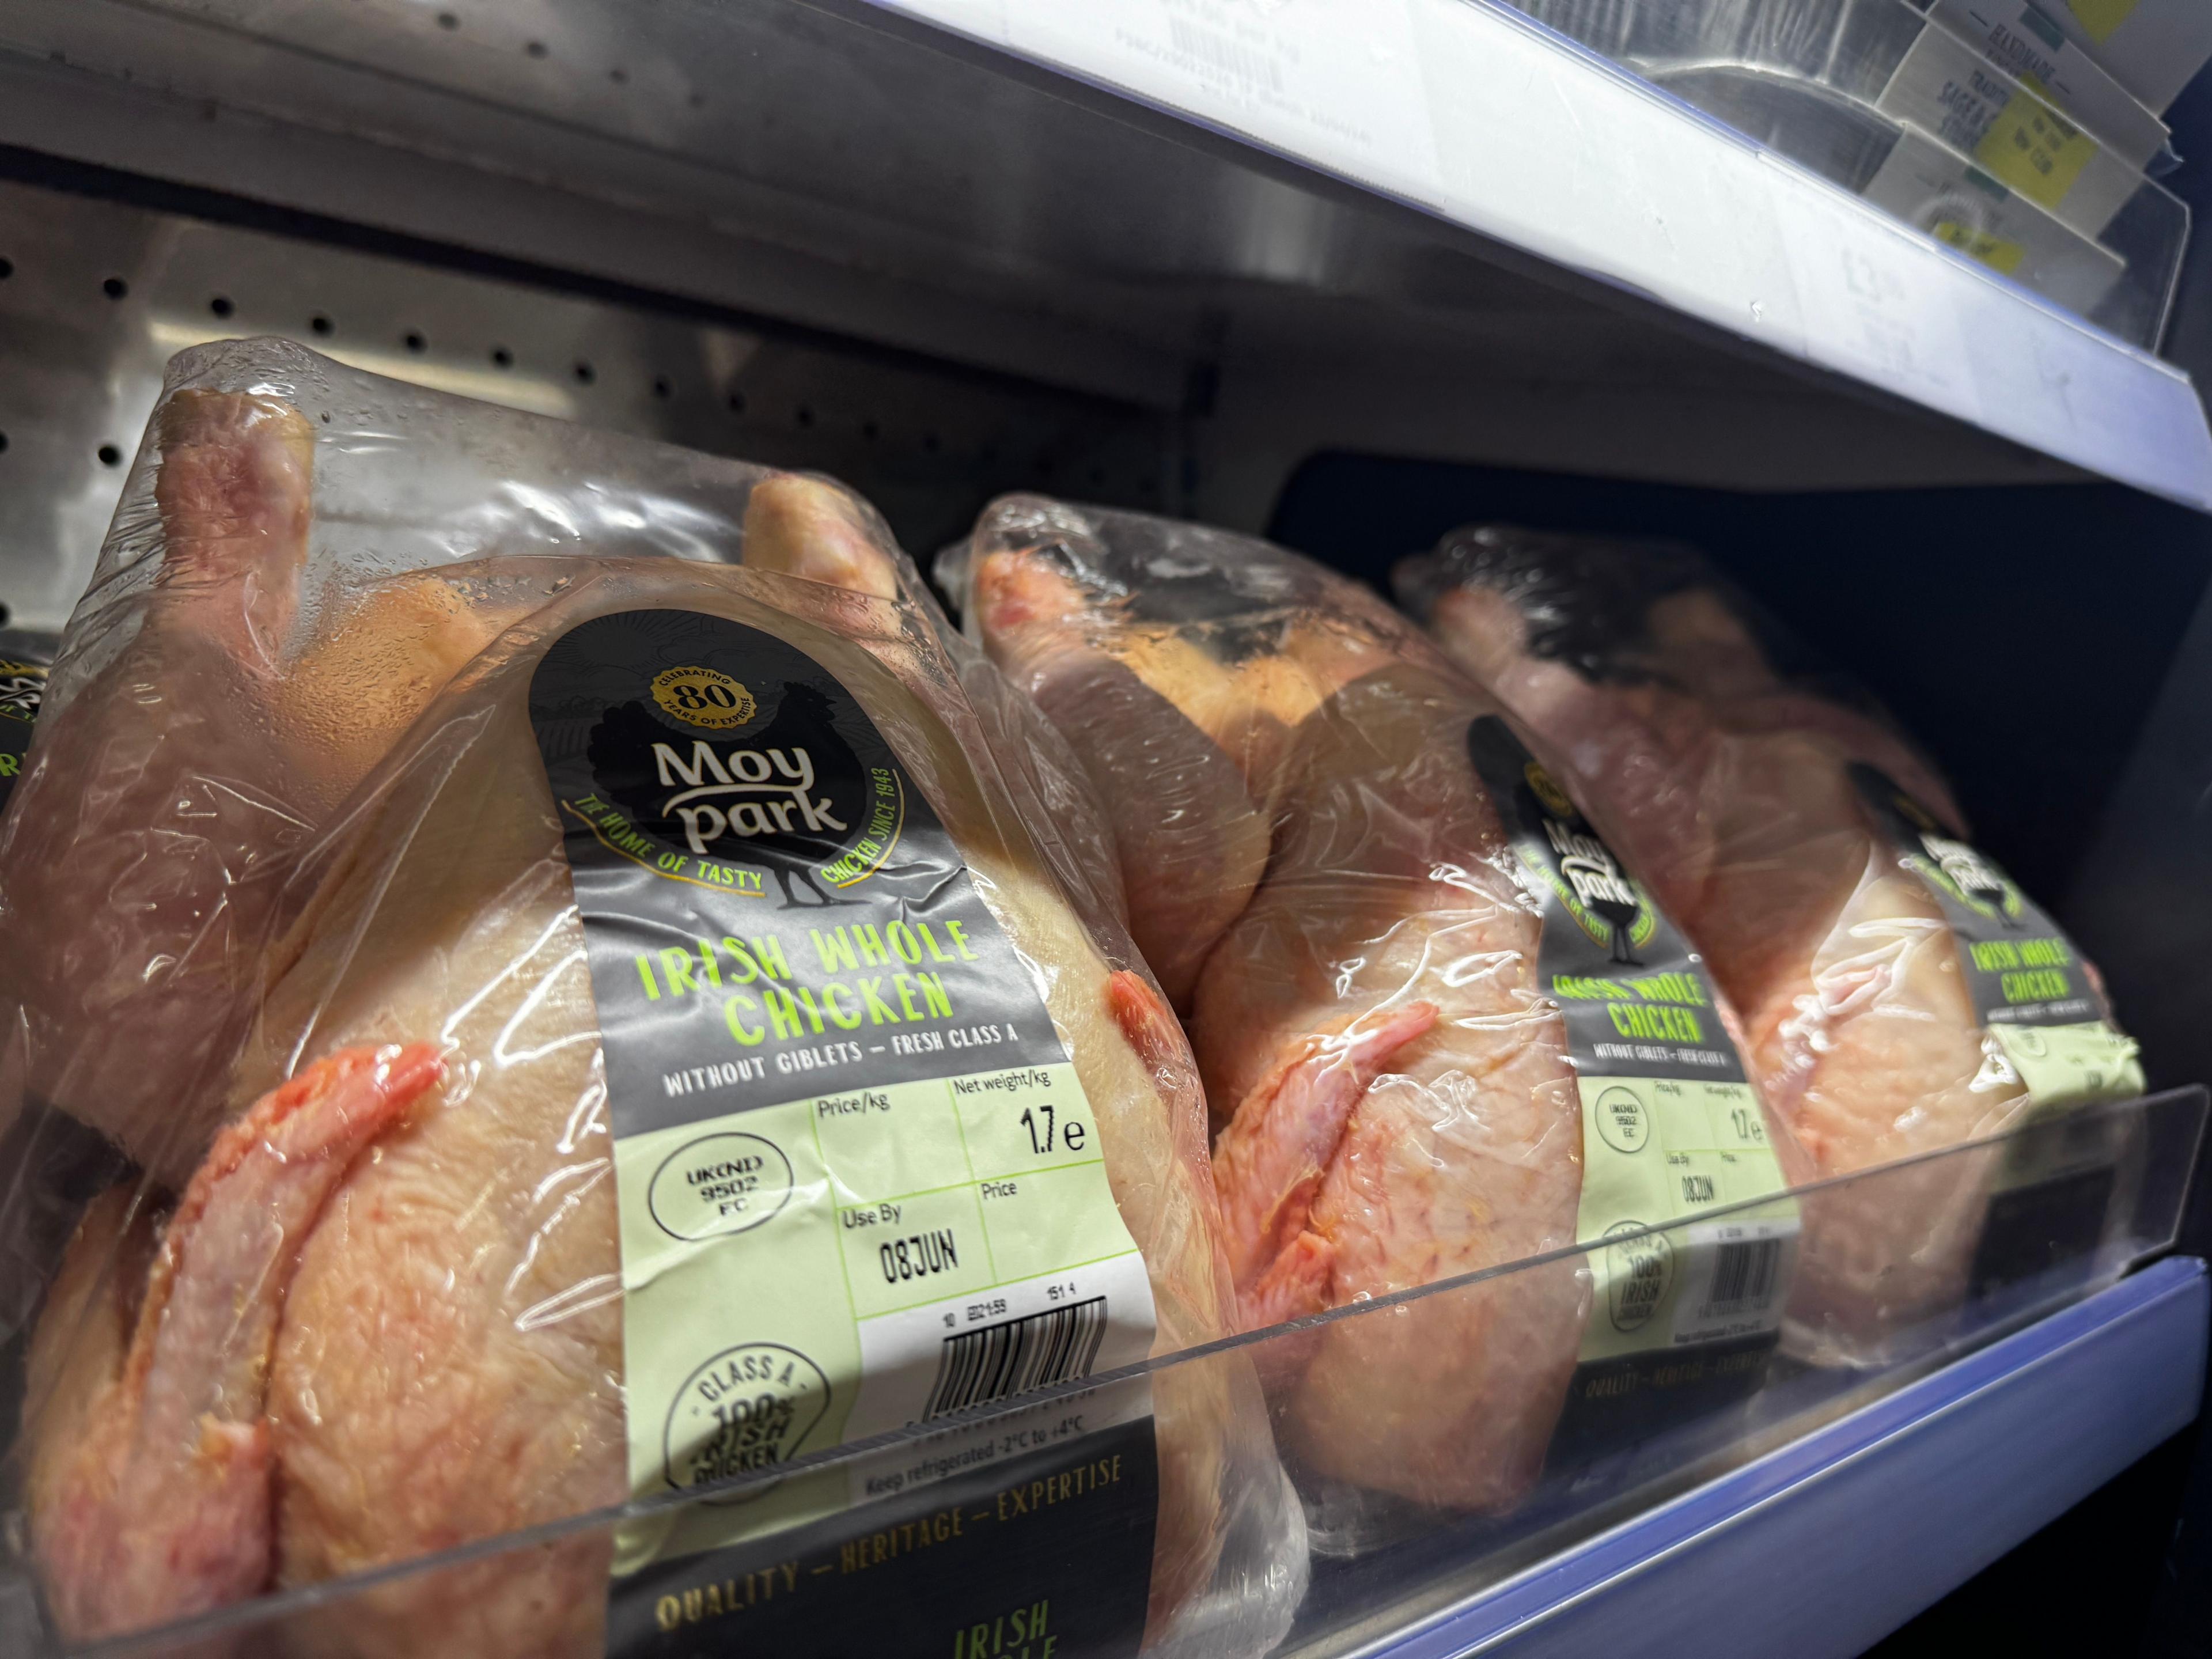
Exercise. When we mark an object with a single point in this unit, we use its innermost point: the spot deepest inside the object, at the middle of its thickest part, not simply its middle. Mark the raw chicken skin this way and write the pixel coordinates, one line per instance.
(176, 785)
(1272, 1160)
(1729, 790)
(1389, 943)
(447, 1364)
(1395, 1100)
(813, 530)
(1174, 800)
(151, 1479)
(161, 789)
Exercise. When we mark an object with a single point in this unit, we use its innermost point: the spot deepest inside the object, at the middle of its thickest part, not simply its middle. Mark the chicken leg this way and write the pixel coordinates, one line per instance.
(151, 1487)
(143, 861)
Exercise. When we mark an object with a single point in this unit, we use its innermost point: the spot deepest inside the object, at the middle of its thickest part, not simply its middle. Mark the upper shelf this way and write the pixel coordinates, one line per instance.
(1474, 112)
(1427, 227)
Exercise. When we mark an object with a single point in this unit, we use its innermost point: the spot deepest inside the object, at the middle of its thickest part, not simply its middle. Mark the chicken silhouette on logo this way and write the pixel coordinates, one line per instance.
(1601, 887)
(785, 798)
(1615, 905)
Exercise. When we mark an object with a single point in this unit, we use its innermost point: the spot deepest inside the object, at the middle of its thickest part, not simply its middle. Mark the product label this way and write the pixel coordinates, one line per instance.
(2046, 1018)
(2100, 19)
(2030, 987)
(22, 688)
(1925, 184)
(1671, 1129)
(2032, 149)
(859, 1184)
(1996, 253)
(2023, 41)
(2153, 47)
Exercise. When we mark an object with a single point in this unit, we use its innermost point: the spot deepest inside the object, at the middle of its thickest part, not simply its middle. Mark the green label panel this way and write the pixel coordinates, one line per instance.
(2032, 991)
(1671, 1129)
(859, 1183)
(1658, 1150)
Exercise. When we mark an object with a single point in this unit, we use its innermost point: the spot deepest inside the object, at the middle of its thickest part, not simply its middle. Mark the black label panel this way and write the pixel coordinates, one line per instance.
(1032, 1558)
(1684, 1319)
(22, 689)
(772, 908)
(2020, 968)
(859, 1183)
(1636, 999)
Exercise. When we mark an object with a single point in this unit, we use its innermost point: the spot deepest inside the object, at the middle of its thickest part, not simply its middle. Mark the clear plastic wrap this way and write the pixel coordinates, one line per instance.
(1899, 994)
(1322, 827)
(1485, 1575)
(331, 1083)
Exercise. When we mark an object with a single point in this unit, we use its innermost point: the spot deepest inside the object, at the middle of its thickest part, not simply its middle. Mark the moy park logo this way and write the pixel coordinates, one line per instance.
(764, 784)
(23, 687)
(1605, 901)
(1960, 870)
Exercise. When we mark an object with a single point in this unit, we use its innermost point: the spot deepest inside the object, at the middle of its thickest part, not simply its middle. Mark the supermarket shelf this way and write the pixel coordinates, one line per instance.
(1571, 292)
(927, 444)
(1472, 111)
(1823, 1546)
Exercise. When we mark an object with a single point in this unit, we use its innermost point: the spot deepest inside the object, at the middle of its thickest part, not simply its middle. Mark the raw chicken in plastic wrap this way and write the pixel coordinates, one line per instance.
(1322, 881)
(309, 953)
(1820, 864)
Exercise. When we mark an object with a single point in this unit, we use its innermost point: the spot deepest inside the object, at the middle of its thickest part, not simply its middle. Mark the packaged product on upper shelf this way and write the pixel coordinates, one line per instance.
(1441, 1028)
(2011, 132)
(2154, 48)
(2019, 37)
(612, 1026)
(1976, 124)
(1899, 992)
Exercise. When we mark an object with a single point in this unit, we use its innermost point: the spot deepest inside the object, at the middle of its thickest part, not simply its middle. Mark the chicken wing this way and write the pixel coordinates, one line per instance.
(183, 766)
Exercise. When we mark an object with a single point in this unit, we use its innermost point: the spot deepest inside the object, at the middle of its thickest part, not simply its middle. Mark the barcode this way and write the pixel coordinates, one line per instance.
(1217, 53)
(1015, 1355)
(1743, 1276)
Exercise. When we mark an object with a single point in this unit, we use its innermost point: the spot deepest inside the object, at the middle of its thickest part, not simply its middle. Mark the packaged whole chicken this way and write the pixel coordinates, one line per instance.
(1441, 1028)
(1899, 992)
(642, 1023)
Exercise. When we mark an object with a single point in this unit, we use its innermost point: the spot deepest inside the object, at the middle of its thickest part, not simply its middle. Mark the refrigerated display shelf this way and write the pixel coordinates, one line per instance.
(1800, 1508)
(1474, 111)
(1199, 210)
(1819, 1548)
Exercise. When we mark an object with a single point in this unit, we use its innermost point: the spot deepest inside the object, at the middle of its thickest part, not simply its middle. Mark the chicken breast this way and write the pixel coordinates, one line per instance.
(441, 1359)
(1395, 1101)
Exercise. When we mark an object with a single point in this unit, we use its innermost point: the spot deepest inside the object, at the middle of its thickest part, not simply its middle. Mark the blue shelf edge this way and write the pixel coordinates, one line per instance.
(1821, 1548)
